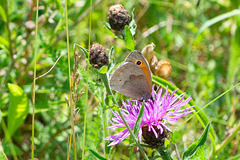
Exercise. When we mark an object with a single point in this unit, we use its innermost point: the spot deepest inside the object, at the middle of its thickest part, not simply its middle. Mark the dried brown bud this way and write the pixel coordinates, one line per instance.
(150, 139)
(164, 69)
(98, 56)
(118, 17)
(153, 64)
(149, 52)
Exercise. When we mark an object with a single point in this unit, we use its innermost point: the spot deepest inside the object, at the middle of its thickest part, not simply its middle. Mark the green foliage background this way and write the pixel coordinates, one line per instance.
(204, 66)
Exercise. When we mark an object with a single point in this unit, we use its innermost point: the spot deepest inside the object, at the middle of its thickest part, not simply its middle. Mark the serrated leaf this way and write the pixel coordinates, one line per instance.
(103, 69)
(18, 108)
(129, 41)
(109, 32)
(193, 148)
(138, 121)
(97, 155)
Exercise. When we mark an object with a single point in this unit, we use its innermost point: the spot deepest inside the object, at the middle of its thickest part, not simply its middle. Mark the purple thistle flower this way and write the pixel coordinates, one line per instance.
(163, 108)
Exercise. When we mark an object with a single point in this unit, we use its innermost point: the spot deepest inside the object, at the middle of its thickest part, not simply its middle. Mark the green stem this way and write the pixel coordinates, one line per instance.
(226, 141)
(70, 88)
(34, 80)
(164, 154)
(86, 100)
(106, 83)
(104, 115)
(105, 131)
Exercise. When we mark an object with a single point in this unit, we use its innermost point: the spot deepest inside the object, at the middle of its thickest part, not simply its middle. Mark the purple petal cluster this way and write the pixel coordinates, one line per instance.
(163, 108)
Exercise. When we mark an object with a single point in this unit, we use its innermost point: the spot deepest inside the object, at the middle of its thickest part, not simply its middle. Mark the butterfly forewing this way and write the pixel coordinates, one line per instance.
(130, 80)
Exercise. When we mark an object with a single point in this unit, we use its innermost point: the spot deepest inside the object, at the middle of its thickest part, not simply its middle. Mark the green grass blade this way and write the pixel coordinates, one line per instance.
(72, 134)
(97, 155)
(217, 19)
(34, 79)
(86, 91)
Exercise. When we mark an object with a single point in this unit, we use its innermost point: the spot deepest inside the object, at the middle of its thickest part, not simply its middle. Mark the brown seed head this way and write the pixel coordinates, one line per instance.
(118, 17)
(98, 56)
(153, 64)
(150, 139)
(149, 52)
(164, 69)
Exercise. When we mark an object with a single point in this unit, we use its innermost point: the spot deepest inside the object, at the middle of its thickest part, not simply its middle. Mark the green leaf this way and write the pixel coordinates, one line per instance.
(2, 14)
(4, 42)
(109, 32)
(138, 121)
(129, 41)
(2, 154)
(111, 53)
(85, 52)
(192, 149)
(109, 100)
(217, 19)
(103, 69)
(203, 119)
(18, 108)
(97, 155)
(132, 24)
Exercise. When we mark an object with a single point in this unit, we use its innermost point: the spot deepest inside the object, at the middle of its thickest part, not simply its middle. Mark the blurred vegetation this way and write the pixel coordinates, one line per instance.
(204, 66)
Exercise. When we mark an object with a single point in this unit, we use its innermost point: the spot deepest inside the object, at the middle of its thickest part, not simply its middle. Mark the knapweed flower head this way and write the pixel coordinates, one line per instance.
(162, 108)
(98, 56)
(118, 17)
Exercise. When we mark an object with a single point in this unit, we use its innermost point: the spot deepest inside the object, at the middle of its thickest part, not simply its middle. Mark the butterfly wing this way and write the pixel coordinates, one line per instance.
(130, 80)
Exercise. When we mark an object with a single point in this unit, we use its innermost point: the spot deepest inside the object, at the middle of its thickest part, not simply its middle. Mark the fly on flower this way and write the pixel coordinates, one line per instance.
(164, 107)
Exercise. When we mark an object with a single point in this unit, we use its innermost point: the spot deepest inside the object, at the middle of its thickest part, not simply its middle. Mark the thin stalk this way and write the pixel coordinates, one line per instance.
(106, 83)
(86, 100)
(70, 88)
(34, 80)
